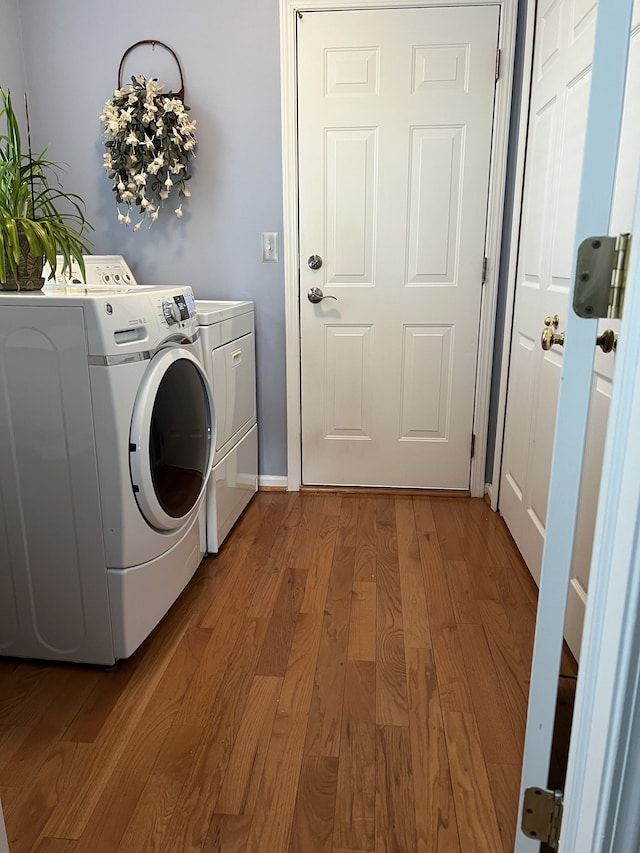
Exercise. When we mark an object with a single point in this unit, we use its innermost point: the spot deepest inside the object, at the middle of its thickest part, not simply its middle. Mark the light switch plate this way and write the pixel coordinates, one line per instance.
(269, 246)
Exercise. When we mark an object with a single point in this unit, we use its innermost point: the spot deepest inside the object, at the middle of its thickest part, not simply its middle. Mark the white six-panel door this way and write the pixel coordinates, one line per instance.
(558, 113)
(395, 112)
(601, 713)
(557, 122)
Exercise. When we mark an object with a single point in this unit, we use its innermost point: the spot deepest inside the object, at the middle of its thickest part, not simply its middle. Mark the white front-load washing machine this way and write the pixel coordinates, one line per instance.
(227, 341)
(107, 435)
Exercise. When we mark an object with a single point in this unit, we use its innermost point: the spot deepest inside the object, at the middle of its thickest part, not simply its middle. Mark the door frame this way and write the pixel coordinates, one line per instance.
(514, 249)
(289, 10)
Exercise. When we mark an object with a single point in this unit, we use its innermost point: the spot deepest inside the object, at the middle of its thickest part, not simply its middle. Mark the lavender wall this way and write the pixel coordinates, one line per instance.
(11, 64)
(230, 56)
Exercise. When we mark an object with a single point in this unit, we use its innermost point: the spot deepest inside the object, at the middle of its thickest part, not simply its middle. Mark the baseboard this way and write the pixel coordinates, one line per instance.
(488, 494)
(381, 491)
(268, 483)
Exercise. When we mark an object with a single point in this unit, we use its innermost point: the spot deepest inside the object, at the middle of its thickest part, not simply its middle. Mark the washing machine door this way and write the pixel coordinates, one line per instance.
(172, 439)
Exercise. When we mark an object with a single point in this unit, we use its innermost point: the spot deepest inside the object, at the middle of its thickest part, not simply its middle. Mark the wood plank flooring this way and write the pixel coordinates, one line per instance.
(348, 675)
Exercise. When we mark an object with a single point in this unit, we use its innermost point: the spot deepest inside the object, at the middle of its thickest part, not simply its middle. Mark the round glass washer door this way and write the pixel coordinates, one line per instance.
(172, 439)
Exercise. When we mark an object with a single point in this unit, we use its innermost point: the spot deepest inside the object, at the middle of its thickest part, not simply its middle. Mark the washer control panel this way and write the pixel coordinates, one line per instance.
(177, 308)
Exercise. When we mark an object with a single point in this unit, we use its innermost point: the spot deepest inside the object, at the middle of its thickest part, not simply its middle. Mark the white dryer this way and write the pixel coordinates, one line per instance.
(107, 435)
(227, 339)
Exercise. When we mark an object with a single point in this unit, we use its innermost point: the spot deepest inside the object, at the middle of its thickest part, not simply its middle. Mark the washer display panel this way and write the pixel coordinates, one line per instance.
(172, 438)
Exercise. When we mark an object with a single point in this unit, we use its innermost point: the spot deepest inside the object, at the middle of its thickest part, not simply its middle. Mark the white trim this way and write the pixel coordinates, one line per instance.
(266, 481)
(530, 26)
(288, 12)
(495, 209)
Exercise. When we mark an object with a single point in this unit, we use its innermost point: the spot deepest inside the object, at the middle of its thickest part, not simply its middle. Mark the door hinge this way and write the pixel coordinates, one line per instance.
(484, 269)
(473, 444)
(498, 63)
(601, 277)
(542, 815)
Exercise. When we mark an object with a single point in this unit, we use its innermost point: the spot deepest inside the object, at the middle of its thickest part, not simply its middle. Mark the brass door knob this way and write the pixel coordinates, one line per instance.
(607, 341)
(549, 338)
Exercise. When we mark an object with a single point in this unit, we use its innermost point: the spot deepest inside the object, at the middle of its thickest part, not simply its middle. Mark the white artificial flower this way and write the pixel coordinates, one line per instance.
(133, 122)
(152, 87)
(136, 227)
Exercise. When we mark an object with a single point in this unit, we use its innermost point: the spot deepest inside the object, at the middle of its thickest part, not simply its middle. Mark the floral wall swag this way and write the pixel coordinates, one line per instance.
(150, 139)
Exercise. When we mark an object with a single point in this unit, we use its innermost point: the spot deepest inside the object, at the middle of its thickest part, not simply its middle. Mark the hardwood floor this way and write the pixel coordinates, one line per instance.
(348, 675)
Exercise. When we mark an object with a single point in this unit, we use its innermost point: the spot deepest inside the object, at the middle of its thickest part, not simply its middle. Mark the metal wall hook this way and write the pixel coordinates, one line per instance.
(153, 43)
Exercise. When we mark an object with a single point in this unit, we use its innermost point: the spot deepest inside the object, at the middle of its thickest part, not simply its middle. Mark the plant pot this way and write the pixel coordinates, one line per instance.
(29, 272)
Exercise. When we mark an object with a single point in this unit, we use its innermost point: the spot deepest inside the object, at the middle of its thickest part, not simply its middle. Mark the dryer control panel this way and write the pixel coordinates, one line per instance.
(100, 271)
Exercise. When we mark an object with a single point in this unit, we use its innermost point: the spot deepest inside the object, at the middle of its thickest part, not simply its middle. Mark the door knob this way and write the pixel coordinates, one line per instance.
(549, 338)
(314, 261)
(316, 295)
(607, 341)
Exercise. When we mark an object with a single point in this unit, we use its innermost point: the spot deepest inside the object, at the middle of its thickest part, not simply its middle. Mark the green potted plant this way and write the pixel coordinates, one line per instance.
(38, 220)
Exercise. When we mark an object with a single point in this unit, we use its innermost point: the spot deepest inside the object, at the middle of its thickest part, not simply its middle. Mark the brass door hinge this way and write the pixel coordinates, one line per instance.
(542, 815)
(497, 64)
(484, 269)
(601, 277)
(473, 444)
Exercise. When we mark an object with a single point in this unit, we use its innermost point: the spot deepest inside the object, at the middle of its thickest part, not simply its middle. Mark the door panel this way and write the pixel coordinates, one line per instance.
(558, 115)
(549, 218)
(621, 219)
(395, 110)
(573, 453)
